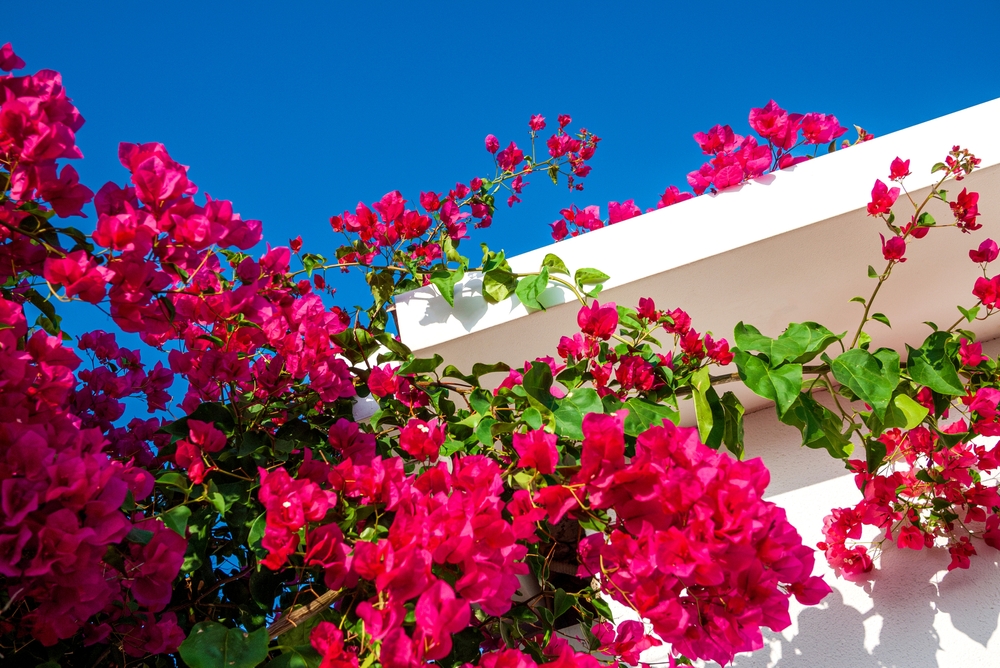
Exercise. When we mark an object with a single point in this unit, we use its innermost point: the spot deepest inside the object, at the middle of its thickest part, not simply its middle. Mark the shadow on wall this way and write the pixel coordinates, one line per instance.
(905, 626)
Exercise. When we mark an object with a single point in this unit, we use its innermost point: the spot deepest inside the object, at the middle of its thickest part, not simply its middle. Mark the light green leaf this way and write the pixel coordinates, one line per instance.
(530, 287)
(589, 276)
(445, 282)
(555, 265)
(498, 285)
(700, 384)
(911, 410)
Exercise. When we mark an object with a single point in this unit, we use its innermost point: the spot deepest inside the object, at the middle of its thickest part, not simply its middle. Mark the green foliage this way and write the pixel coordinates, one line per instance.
(212, 645)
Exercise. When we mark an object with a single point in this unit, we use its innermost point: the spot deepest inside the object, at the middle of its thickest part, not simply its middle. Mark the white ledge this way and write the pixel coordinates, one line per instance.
(790, 247)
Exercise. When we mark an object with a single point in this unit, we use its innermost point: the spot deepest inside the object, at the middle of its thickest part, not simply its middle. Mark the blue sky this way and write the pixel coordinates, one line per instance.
(296, 111)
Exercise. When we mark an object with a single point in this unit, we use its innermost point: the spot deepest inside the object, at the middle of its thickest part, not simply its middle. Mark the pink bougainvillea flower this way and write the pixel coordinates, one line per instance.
(8, 59)
(536, 123)
(821, 128)
(672, 195)
(899, 169)
(775, 124)
(537, 450)
(970, 353)
(986, 253)
(492, 143)
(619, 212)
(883, 198)
(564, 120)
(719, 138)
(965, 208)
(894, 248)
(422, 439)
(559, 230)
(598, 321)
(510, 158)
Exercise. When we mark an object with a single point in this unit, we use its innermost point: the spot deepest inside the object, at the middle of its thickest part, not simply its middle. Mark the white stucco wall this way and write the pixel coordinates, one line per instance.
(909, 612)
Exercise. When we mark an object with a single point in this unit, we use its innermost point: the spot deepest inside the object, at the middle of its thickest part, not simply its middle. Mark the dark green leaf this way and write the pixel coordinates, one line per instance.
(212, 645)
(177, 518)
(733, 415)
(780, 385)
(643, 414)
(871, 272)
(139, 536)
(930, 365)
(417, 365)
(537, 385)
(874, 453)
(561, 603)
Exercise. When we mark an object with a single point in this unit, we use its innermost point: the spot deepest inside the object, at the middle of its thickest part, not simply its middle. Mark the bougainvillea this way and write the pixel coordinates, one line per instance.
(467, 520)
(735, 159)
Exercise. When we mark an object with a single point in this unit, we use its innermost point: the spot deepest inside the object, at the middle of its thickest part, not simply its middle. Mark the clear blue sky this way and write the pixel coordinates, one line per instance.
(295, 111)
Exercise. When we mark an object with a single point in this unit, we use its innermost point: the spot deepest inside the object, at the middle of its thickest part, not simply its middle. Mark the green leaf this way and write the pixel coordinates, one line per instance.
(417, 365)
(913, 412)
(800, 343)
(530, 287)
(139, 536)
(700, 384)
(561, 603)
(176, 518)
(926, 220)
(212, 645)
(930, 365)
(498, 285)
(484, 431)
(589, 276)
(174, 479)
(969, 314)
(871, 272)
(571, 409)
(532, 417)
(445, 282)
(860, 371)
(537, 385)
(303, 656)
(481, 401)
(819, 426)
(860, 300)
(480, 369)
(555, 265)
(781, 385)
(882, 319)
(874, 453)
(256, 535)
(644, 414)
(732, 434)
